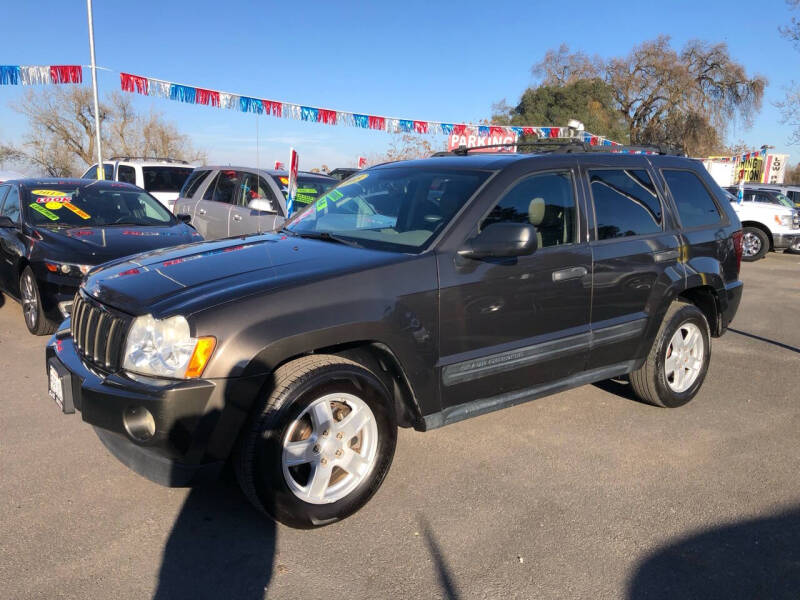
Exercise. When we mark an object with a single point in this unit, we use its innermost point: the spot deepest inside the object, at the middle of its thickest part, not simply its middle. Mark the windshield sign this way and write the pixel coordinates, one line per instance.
(397, 209)
(92, 206)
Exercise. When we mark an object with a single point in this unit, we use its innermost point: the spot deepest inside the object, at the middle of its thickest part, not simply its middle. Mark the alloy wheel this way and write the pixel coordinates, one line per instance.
(330, 448)
(684, 357)
(751, 244)
(30, 303)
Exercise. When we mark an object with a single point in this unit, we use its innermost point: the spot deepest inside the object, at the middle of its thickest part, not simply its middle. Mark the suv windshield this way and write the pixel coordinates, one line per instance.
(784, 200)
(94, 206)
(165, 179)
(308, 189)
(399, 209)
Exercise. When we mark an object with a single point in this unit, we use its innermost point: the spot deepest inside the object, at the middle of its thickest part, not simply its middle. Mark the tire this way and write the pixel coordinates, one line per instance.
(755, 244)
(32, 310)
(656, 382)
(316, 490)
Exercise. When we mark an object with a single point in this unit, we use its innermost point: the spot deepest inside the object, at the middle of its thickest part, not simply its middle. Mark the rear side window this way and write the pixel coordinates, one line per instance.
(127, 174)
(165, 179)
(695, 205)
(625, 203)
(545, 201)
(226, 185)
(255, 188)
(193, 182)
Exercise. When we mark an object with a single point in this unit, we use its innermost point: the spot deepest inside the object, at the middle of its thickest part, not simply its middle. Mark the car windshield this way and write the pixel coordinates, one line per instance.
(309, 189)
(165, 179)
(92, 205)
(399, 209)
(784, 200)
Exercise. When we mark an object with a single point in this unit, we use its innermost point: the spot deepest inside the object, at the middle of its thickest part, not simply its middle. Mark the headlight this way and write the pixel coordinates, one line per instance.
(67, 268)
(165, 348)
(785, 220)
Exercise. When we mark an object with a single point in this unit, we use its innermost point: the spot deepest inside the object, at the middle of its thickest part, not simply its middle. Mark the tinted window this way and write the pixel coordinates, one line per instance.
(209, 193)
(77, 206)
(225, 187)
(11, 205)
(695, 205)
(393, 208)
(92, 172)
(193, 182)
(762, 197)
(127, 174)
(545, 201)
(165, 179)
(625, 203)
(3, 191)
(254, 187)
(794, 196)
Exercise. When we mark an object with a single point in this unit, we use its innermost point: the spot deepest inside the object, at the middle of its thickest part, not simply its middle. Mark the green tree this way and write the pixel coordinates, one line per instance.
(590, 101)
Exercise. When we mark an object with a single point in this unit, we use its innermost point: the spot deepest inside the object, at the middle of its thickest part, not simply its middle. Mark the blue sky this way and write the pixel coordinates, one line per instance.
(445, 61)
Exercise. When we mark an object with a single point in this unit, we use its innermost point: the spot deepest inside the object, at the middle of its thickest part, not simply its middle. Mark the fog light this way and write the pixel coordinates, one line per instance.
(139, 423)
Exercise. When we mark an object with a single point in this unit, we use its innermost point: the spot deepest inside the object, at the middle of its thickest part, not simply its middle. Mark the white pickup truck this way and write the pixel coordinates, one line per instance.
(767, 224)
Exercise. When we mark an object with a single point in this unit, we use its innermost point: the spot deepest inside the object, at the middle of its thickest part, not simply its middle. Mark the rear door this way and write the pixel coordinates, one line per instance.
(243, 218)
(635, 251)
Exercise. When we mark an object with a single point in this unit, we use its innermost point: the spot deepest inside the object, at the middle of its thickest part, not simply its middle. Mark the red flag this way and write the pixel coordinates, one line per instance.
(421, 126)
(377, 123)
(272, 108)
(362, 162)
(206, 97)
(529, 131)
(279, 166)
(497, 131)
(555, 132)
(133, 83)
(326, 116)
(459, 129)
(66, 73)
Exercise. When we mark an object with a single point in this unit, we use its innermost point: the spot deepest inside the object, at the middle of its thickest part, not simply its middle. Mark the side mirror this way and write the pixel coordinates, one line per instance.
(184, 218)
(502, 240)
(7, 223)
(261, 204)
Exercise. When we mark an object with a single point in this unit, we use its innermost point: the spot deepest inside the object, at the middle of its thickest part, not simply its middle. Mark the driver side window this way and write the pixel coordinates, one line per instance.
(547, 202)
(11, 205)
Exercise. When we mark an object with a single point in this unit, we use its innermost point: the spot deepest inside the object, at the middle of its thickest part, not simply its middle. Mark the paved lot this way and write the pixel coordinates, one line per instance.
(586, 494)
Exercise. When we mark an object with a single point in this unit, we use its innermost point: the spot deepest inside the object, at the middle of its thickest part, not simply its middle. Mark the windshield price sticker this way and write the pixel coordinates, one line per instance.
(304, 198)
(48, 193)
(43, 211)
(83, 215)
(322, 203)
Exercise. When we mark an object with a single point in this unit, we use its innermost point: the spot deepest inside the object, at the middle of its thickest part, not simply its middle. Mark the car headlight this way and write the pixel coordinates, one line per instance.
(785, 220)
(165, 348)
(67, 268)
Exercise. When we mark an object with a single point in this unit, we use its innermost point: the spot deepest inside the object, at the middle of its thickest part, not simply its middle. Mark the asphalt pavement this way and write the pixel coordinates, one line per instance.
(585, 494)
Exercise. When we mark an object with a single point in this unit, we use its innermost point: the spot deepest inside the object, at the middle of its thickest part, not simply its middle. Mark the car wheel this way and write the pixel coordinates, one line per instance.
(755, 244)
(32, 310)
(678, 361)
(319, 445)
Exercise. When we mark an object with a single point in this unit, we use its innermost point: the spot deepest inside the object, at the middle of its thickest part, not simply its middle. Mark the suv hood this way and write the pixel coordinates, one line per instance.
(200, 275)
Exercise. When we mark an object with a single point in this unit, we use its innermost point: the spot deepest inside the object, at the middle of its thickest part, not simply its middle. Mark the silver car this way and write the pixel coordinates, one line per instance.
(226, 201)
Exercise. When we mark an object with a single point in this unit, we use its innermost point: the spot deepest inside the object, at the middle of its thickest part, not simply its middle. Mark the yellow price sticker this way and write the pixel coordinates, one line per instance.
(77, 211)
(48, 193)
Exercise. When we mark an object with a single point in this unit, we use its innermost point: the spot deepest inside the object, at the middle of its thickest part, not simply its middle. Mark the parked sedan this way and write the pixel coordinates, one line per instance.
(229, 201)
(53, 231)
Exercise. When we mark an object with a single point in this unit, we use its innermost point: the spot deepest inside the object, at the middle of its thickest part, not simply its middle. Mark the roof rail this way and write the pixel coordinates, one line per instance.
(158, 158)
(569, 146)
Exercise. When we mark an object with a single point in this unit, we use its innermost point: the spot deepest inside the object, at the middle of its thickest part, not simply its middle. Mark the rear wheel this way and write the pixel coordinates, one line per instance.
(755, 244)
(677, 363)
(319, 446)
(32, 310)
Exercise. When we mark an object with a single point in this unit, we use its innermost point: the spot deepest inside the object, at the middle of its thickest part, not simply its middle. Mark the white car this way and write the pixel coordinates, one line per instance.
(162, 177)
(766, 226)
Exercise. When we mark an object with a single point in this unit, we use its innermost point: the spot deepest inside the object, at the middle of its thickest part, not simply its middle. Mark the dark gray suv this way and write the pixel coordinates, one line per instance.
(414, 294)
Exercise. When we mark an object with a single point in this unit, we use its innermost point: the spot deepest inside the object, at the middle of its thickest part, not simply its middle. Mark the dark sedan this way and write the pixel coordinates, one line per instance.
(53, 231)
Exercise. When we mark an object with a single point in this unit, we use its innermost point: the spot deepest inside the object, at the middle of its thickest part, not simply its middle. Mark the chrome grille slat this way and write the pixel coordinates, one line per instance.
(98, 333)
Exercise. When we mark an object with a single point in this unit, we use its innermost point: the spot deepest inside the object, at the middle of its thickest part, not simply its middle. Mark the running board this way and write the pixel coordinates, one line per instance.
(454, 414)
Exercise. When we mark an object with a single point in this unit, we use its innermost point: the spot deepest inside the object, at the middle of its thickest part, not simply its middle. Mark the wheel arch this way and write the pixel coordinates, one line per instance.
(706, 298)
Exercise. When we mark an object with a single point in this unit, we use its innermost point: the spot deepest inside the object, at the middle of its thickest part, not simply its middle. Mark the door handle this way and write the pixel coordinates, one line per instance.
(666, 255)
(202, 211)
(570, 273)
(237, 217)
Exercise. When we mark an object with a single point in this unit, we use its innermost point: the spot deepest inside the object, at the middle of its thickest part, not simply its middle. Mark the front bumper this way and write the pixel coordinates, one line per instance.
(781, 241)
(196, 422)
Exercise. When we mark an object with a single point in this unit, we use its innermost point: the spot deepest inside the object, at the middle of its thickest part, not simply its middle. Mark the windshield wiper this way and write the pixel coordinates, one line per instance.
(325, 236)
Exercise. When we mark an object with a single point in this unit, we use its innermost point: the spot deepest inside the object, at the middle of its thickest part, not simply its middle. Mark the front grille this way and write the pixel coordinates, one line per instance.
(98, 333)
(796, 220)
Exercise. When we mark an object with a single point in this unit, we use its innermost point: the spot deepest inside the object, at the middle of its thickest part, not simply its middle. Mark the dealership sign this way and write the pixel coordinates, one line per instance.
(774, 168)
(471, 138)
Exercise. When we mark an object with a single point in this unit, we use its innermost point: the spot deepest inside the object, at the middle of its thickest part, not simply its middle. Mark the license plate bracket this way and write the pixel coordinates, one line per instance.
(59, 386)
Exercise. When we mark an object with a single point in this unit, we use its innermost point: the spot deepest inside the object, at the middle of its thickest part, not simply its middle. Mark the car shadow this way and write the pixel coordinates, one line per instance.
(758, 558)
(619, 387)
(219, 547)
(2, 299)
(763, 339)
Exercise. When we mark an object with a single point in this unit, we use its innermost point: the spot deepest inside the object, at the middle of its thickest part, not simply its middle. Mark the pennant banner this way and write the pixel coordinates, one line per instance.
(40, 74)
(164, 89)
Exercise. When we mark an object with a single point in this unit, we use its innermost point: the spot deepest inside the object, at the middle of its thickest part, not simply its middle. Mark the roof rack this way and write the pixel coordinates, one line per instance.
(158, 158)
(570, 146)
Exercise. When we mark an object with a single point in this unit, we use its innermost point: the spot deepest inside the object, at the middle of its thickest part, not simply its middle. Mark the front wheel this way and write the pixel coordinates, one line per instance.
(677, 363)
(319, 446)
(755, 244)
(32, 309)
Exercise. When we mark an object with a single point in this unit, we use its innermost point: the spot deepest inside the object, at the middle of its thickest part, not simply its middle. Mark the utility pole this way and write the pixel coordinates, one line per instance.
(100, 167)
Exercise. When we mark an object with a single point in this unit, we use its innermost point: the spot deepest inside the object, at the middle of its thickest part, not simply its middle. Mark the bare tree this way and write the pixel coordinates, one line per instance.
(790, 107)
(561, 67)
(60, 140)
(406, 147)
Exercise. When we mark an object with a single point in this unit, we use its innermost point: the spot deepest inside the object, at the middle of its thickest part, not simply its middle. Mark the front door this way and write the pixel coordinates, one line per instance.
(12, 247)
(509, 325)
(243, 218)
